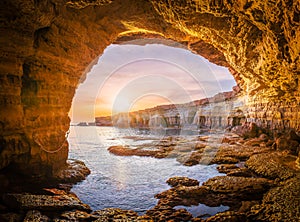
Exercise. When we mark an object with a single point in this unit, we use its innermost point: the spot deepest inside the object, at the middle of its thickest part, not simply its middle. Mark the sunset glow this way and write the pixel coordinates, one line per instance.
(131, 77)
(148, 101)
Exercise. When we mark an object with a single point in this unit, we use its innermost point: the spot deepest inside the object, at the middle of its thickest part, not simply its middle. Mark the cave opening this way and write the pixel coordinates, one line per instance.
(143, 96)
(143, 69)
(47, 46)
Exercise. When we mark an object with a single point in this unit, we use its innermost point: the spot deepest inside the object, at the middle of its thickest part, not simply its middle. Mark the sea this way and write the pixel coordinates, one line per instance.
(128, 182)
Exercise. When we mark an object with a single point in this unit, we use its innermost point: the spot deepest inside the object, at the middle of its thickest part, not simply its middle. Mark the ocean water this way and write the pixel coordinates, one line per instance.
(126, 182)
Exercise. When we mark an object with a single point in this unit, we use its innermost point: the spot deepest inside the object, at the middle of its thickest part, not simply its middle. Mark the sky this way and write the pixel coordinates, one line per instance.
(134, 77)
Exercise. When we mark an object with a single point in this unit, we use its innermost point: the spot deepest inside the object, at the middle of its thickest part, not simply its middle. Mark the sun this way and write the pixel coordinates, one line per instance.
(148, 101)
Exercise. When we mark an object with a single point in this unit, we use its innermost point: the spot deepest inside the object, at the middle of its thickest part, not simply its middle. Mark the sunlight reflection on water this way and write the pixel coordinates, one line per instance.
(124, 182)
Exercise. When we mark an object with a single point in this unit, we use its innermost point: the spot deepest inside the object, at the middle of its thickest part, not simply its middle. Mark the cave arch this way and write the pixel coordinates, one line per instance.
(48, 45)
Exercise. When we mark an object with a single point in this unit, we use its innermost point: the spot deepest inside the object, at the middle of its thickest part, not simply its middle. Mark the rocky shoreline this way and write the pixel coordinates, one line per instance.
(261, 184)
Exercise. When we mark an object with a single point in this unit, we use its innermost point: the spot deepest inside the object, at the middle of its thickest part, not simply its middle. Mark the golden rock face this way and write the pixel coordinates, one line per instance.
(48, 47)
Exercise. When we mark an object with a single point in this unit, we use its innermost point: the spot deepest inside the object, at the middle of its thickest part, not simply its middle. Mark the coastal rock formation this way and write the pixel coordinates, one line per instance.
(220, 111)
(203, 150)
(227, 216)
(280, 203)
(229, 191)
(113, 214)
(34, 215)
(239, 193)
(265, 188)
(127, 151)
(74, 172)
(61, 202)
(182, 181)
(277, 166)
(49, 46)
(167, 213)
(103, 121)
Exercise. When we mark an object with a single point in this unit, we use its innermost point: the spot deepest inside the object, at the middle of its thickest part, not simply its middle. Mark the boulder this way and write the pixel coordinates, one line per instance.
(182, 181)
(271, 165)
(76, 215)
(73, 172)
(263, 137)
(36, 216)
(54, 203)
(240, 172)
(127, 151)
(289, 142)
(240, 188)
(165, 213)
(292, 135)
(247, 130)
(225, 190)
(279, 203)
(226, 168)
(228, 216)
(114, 214)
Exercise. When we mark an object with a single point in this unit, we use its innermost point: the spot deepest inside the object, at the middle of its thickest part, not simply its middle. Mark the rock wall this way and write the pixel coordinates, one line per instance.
(212, 114)
(47, 47)
(218, 112)
(277, 116)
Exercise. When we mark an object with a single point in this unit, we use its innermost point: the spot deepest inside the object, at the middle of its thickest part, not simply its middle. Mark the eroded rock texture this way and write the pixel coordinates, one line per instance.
(220, 111)
(47, 47)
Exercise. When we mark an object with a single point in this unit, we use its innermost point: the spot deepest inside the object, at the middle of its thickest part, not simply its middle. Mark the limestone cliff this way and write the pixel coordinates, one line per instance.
(47, 47)
(219, 112)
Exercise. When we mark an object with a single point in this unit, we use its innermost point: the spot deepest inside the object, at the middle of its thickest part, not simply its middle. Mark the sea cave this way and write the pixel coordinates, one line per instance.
(49, 47)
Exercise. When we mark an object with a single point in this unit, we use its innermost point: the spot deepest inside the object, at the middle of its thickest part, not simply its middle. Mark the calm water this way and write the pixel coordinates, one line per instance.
(125, 182)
